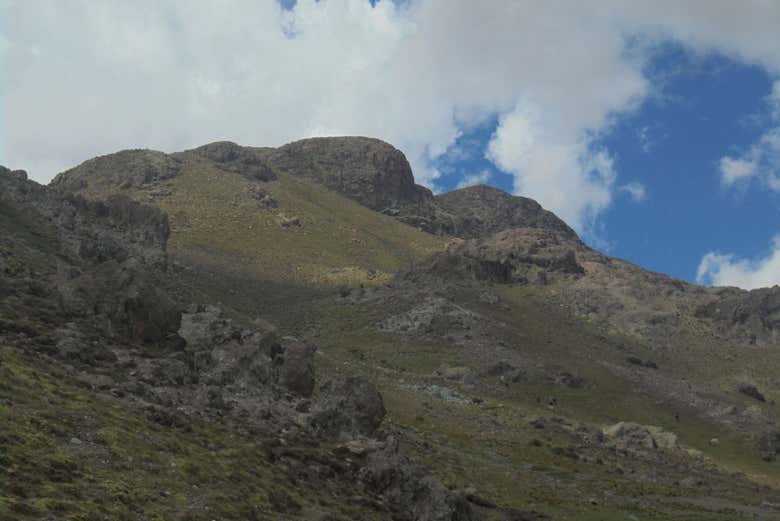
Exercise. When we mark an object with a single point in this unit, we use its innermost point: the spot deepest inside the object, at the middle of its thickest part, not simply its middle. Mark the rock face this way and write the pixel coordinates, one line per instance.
(109, 252)
(124, 300)
(519, 255)
(235, 158)
(369, 171)
(479, 211)
(378, 176)
(753, 316)
(245, 359)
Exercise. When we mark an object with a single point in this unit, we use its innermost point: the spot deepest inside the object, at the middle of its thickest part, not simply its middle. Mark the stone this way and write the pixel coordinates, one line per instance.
(296, 372)
(636, 437)
(454, 373)
(751, 391)
(409, 488)
(768, 444)
(347, 409)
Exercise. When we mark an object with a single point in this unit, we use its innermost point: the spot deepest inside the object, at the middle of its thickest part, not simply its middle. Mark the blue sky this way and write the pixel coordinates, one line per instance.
(652, 126)
(705, 106)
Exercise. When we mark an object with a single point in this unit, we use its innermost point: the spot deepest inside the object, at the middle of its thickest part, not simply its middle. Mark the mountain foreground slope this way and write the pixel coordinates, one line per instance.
(304, 333)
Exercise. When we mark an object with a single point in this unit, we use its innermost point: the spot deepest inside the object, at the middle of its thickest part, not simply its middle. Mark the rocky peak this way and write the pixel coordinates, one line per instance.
(482, 210)
(369, 171)
(19, 175)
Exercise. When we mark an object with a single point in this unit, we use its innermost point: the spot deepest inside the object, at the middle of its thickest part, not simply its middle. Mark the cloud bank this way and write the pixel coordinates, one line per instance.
(762, 160)
(82, 78)
(720, 269)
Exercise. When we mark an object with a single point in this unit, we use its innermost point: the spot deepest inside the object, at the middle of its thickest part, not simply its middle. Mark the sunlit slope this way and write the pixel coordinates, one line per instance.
(289, 229)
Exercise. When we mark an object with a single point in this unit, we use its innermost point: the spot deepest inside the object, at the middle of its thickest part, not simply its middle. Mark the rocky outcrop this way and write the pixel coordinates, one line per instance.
(518, 255)
(121, 170)
(369, 171)
(768, 444)
(752, 316)
(109, 255)
(223, 354)
(235, 158)
(405, 484)
(479, 211)
(348, 409)
(435, 315)
(122, 300)
(296, 369)
(94, 231)
(634, 437)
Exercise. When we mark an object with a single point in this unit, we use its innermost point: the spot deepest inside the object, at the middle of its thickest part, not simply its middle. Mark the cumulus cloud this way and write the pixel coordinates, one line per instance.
(568, 177)
(761, 161)
(635, 190)
(474, 179)
(82, 78)
(735, 170)
(719, 269)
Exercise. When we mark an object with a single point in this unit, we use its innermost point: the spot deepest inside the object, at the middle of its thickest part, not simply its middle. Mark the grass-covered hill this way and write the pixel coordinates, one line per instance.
(534, 377)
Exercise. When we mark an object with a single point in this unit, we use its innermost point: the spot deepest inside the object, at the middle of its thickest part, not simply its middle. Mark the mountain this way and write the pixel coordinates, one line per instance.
(302, 332)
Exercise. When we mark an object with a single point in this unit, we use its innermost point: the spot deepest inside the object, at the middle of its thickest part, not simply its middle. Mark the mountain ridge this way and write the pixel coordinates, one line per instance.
(367, 170)
(526, 370)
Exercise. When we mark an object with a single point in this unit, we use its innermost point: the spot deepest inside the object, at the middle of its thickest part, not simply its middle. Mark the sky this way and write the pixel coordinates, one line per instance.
(650, 126)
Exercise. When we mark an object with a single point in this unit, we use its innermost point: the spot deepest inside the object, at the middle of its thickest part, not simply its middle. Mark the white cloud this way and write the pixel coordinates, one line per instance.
(735, 170)
(82, 78)
(474, 179)
(761, 161)
(720, 269)
(635, 190)
(566, 177)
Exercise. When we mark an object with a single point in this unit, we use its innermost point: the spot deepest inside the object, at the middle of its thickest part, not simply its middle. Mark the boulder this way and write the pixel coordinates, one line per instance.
(296, 368)
(410, 488)
(751, 391)
(124, 300)
(634, 437)
(347, 409)
(768, 444)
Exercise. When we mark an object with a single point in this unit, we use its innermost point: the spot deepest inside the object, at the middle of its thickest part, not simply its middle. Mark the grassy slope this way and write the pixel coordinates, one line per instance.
(69, 452)
(216, 222)
(492, 445)
(246, 260)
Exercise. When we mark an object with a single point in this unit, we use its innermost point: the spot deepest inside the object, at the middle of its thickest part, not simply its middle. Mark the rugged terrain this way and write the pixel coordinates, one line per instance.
(303, 333)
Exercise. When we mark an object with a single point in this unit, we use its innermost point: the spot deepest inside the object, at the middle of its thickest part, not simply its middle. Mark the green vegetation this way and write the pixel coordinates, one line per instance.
(68, 452)
(322, 267)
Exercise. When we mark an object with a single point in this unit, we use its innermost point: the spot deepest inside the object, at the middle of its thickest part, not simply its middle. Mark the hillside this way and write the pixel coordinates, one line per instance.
(534, 377)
